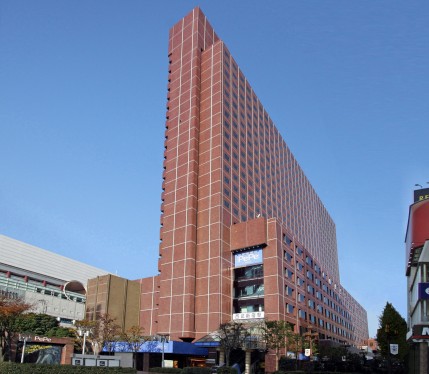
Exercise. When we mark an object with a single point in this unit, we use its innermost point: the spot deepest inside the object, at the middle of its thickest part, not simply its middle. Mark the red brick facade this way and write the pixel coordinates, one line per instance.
(231, 183)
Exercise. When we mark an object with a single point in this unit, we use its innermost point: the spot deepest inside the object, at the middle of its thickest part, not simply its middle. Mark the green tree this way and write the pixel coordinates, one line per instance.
(134, 338)
(10, 310)
(276, 336)
(231, 335)
(104, 332)
(392, 330)
(83, 330)
(298, 344)
(41, 324)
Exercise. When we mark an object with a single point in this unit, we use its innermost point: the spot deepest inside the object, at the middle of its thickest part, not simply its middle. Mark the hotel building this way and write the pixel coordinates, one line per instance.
(243, 233)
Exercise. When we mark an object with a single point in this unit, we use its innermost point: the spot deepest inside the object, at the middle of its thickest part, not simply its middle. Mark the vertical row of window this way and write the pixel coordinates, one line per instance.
(317, 284)
(285, 192)
(261, 176)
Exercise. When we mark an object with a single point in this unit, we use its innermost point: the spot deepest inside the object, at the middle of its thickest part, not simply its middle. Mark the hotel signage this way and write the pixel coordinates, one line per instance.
(422, 194)
(248, 258)
(419, 332)
(424, 291)
(247, 315)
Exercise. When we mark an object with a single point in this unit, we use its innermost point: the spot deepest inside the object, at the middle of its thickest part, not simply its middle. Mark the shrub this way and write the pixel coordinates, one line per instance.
(226, 370)
(166, 370)
(196, 370)
(13, 368)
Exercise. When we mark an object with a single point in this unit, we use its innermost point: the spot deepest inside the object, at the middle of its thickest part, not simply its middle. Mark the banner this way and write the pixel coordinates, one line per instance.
(394, 349)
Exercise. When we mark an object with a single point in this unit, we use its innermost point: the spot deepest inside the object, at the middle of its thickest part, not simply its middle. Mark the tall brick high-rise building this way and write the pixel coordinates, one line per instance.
(225, 165)
(243, 233)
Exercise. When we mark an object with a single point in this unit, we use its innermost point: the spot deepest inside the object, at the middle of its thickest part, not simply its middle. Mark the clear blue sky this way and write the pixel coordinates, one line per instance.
(82, 110)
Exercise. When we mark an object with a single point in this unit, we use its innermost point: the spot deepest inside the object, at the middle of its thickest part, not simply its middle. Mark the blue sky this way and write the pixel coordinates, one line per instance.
(82, 109)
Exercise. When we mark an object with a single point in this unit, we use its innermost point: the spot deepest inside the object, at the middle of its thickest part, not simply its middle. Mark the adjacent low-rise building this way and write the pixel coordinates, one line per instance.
(53, 284)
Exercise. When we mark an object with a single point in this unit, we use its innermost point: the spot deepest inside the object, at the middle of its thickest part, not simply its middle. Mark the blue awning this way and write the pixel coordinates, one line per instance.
(170, 347)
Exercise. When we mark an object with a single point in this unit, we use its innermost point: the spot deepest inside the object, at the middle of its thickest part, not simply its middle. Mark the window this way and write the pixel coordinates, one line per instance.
(249, 272)
(286, 239)
(250, 291)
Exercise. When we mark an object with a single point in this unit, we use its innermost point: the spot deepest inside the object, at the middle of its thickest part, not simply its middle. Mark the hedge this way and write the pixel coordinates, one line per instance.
(13, 368)
(226, 370)
(166, 370)
(196, 370)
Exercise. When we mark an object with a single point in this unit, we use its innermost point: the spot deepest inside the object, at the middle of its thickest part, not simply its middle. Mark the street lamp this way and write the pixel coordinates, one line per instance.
(163, 339)
(24, 339)
(85, 333)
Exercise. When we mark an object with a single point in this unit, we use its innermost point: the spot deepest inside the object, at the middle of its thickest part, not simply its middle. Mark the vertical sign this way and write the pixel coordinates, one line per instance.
(423, 290)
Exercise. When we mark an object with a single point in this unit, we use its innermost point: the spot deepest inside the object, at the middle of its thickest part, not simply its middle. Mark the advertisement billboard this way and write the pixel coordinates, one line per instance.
(422, 194)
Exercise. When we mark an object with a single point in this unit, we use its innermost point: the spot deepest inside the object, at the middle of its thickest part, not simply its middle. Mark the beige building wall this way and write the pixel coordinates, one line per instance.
(118, 297)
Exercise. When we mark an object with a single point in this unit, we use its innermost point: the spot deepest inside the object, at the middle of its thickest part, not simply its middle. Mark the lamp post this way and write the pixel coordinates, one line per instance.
(83, 333)
(164, 339)
(25, 338)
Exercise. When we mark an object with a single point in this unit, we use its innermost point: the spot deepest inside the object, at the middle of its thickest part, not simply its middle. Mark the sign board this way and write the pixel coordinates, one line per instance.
(421, 330)
(308, 352)
(77, 361)
(249, 315)
(248, 258)
(394, 349)
(421, 194)
(90, 362)
(423, 291)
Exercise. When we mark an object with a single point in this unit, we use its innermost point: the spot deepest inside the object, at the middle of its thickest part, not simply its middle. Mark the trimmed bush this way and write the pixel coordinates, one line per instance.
(226, 370)
(196, 370)
(13, 368)
(165, 370)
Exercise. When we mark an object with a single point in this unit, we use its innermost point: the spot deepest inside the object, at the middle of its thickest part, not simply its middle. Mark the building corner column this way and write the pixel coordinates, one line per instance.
(248, 361)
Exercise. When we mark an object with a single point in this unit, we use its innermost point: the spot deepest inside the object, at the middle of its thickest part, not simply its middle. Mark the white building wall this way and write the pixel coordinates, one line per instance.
(25, 256)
